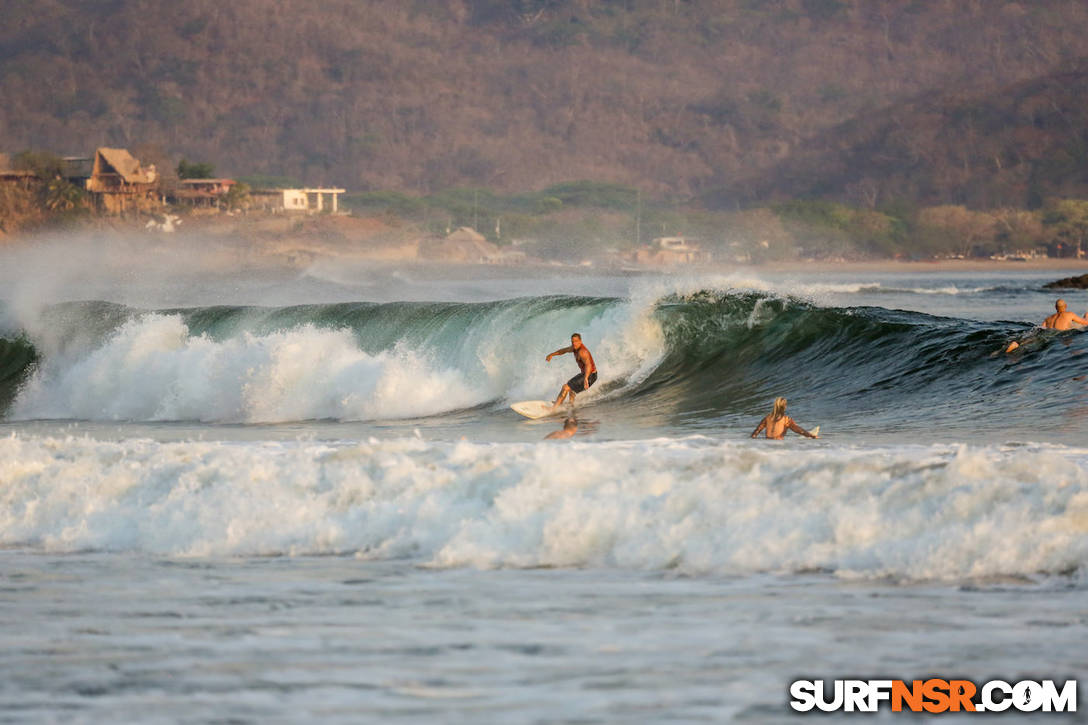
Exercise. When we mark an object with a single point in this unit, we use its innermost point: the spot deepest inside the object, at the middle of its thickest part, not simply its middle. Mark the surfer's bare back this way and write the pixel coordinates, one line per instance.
(1062, 319)
(777, 423)
(584, 379)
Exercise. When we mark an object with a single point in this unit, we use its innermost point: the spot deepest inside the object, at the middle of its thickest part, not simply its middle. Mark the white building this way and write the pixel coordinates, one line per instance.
(307, 201)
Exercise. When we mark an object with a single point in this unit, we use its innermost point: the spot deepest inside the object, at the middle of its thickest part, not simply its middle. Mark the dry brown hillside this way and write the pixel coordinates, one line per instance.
(1015, 146)
(679, 97)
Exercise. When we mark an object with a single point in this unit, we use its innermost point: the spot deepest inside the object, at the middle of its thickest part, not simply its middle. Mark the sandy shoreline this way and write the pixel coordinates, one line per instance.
(290, 243)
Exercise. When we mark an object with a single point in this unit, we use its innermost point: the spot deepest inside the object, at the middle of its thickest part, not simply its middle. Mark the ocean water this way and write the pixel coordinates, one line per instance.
(282, 495)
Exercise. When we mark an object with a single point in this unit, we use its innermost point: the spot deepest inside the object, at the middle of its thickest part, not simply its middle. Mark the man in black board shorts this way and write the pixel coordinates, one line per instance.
(583, 380)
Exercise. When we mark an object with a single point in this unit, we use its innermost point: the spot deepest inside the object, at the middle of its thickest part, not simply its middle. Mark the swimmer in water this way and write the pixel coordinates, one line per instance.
(777, 423)
(1062, 319)
(570, 427)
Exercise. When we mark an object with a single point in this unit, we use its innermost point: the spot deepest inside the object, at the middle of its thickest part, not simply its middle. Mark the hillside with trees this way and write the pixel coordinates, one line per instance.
(727, 102)
(1016, 146)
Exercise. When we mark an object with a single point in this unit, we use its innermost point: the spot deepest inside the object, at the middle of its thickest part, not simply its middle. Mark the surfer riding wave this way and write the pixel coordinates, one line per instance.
(582, 381)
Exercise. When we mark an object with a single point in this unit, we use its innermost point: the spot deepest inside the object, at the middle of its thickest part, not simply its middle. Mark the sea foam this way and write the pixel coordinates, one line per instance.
(153, 367)
(693, 505)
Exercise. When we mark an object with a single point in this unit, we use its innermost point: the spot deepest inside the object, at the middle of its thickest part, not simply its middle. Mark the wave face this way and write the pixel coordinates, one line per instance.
(692, 505)
(690, 358)
(357, 361)
(17, 358)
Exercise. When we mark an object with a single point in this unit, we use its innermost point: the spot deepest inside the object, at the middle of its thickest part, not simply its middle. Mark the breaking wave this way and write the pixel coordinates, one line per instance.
(692, 505)
(697, 354)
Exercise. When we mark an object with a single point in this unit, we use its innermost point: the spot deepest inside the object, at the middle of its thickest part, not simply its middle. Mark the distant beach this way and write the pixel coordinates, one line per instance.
(276, 241)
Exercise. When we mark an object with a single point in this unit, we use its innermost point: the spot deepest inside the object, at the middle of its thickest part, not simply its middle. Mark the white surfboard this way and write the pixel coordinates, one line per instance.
(815, 431)
(536, 408)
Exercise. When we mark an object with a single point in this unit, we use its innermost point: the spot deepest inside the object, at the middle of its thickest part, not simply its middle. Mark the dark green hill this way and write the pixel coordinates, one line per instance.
(677, 97)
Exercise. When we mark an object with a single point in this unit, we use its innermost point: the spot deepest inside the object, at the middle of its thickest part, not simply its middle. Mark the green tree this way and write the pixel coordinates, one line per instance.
(395, 203)
(43, 164)
(237, 197)
(594, 194)
(956, 228)
(62, 196)
(548, 205)
(1018, 229)
(55, 193)
(1069, 218)
(195, 170)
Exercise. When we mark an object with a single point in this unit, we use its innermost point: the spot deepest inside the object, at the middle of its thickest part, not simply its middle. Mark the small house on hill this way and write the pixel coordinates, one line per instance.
(119, 183)
(8, 173)
(309, 201)
(464, 245)
(78, 169)
(202, 192)
(671, 250)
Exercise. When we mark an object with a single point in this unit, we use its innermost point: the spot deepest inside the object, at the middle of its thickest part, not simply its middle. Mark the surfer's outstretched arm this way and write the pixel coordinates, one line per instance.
(798, 429)
(759, 428)
(560, 351)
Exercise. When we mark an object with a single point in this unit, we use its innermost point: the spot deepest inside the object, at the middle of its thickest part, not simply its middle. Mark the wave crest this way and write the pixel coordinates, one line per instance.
(693, 351)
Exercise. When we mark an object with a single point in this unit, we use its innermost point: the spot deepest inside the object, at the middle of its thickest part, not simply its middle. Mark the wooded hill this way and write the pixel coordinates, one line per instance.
(726, 101)
(1016, 146)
